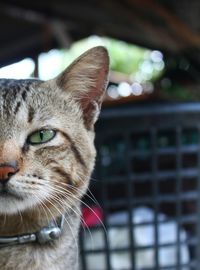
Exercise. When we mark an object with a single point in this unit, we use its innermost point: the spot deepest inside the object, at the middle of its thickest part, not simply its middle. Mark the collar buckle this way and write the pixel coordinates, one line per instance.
(47, 234)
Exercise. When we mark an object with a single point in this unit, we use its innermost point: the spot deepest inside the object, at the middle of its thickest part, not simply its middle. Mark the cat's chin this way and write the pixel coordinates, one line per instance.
(12, 204)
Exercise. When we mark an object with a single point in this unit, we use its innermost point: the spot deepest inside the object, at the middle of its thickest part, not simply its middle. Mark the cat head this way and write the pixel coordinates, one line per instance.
(47, 149)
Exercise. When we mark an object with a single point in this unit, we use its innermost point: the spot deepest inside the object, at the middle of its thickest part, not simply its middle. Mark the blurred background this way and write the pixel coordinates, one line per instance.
(142, 211)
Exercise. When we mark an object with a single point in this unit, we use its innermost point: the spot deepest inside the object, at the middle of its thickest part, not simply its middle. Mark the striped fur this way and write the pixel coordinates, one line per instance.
(52, 177)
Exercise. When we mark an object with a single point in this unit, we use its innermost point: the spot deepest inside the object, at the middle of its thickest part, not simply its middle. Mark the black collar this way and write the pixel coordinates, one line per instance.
(47, 234)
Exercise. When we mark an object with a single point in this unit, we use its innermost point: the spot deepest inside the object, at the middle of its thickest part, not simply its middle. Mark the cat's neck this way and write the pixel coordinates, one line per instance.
(45, 256)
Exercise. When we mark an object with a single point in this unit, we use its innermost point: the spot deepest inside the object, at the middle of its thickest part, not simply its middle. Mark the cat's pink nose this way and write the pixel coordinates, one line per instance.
(7, 170)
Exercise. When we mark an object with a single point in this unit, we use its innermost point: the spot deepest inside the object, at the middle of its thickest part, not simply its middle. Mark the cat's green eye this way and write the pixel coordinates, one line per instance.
(41, 136)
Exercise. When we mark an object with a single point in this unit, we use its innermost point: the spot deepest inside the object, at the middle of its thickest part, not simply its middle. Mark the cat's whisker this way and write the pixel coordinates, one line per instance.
(74, 237)
(98, 218)
(45, 209)
(69, 207)
(78, 212)
(76, 189)
(94, 179)
(21, 218)
(67, 193)
(53, 218)
(4, 219)
(92, 198)
(58, 210)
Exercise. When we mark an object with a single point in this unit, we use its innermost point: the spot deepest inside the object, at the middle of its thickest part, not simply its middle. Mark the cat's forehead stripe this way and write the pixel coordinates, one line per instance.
(31, 113)
(17, 107)
(24, 95)
(13, 92)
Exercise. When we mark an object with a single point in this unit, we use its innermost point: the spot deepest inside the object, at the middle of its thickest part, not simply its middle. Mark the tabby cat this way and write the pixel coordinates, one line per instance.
(46, 159)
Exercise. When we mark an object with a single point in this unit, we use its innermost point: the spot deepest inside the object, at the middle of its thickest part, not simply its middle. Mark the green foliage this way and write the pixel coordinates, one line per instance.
(124, 57)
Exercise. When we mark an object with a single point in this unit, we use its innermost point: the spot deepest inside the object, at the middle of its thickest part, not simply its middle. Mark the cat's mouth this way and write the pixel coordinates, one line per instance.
(5, 193)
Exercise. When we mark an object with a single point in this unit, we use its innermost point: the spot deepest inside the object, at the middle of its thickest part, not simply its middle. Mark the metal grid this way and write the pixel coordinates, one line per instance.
(149, 157)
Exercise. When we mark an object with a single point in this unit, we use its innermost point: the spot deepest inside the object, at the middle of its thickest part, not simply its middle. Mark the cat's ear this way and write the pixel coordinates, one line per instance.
(86, 79)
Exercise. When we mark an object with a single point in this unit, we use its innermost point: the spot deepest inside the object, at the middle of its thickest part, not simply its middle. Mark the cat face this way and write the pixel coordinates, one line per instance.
(47, 136)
